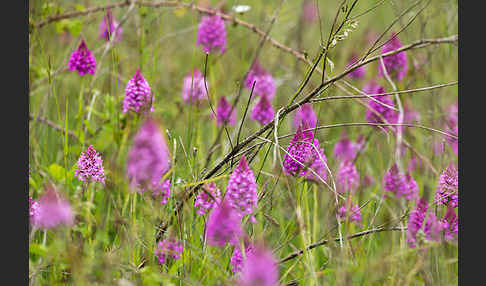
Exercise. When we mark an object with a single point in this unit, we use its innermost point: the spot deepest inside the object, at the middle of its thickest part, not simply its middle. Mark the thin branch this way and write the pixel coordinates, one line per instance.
(415, 45)
(314, 93)
(88, 11)
(358, 234)
(367, 11)
(54, 125)
(370, 50)
(297, 54)
(382, 124)
(385, 94)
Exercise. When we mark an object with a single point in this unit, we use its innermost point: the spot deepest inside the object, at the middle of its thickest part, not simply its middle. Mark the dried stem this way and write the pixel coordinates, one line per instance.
(358, 234)
(53, 125)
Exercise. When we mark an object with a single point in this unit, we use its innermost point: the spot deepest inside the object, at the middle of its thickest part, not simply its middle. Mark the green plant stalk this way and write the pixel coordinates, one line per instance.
(302, 213)
(315, 220)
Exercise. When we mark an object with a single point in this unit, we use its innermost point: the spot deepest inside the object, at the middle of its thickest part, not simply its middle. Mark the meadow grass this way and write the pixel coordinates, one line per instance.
(116, 229)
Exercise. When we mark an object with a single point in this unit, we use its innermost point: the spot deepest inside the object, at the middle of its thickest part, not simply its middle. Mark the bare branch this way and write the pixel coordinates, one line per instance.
(358, 234)
(53, 125)
(385, 94)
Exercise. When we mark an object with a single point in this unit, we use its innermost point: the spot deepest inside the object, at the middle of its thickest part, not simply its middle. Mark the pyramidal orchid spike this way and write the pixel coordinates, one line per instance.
(53, 210)
(90, 166)
(194, 88)
(448, 187)
(224, 112)
(169, 247)
(263, 111)
(82, 60)
(137, 94)
(260, 268)
(416, 220)
(148, 157)
(396, 65)
(223, 226)
(241, 192)
(305, 115)
(109, 27)
(211, 34)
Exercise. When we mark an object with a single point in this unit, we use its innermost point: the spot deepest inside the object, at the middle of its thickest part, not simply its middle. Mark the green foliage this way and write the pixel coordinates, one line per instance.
(115, 233)
(74, 27)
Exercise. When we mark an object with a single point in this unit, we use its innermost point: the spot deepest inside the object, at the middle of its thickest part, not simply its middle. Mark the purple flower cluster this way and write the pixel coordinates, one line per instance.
(33, 210)
(415, 221)
(400, 184)
(169, 247)
(300, 149)
(109, 26)
(350, 210)
(305, 115)
(347, 177)
(260, 268)
(236, 261)
(412, 190)
(137, 94)
(375, 108)
(372, 87)
(82, 60)
(241, 192)
(53, 210)
(318, 163)
(345, 149)
(265, 84)
(211, 34)
(256, 70)
(204, 202)
(223, 225)
(358, 73)
(393, 181)
(302, 156)
(148, 158)
(161, 191)
(194, 87)
(448, 187)
(432, 228)
(224, 113)
(90, 166)
(263, 111)
(396, 65)
(450, 223)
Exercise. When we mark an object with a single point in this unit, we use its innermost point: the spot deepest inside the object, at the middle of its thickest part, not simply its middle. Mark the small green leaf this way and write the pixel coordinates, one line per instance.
(61, 26)
(79, 7)
(33, 183)
(57, 172)
(75, 27)
(37, 249)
